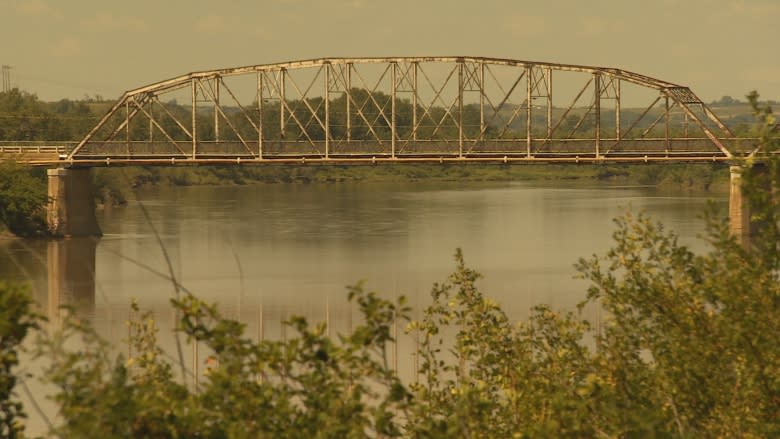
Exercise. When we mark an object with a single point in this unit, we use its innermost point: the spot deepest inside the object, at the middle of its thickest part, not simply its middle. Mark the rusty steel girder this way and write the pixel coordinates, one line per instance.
(408, 108)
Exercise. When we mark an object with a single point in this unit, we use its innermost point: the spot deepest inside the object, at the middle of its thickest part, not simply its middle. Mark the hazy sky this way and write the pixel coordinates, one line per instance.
(68, 48)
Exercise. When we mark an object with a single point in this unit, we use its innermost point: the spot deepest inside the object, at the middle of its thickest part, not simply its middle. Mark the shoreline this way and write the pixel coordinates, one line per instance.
(705, 177)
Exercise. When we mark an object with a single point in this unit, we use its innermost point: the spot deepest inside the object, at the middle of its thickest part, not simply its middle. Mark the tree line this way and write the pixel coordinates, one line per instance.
(24, 117)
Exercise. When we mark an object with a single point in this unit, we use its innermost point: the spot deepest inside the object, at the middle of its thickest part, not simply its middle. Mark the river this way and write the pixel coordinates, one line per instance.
(265, 252)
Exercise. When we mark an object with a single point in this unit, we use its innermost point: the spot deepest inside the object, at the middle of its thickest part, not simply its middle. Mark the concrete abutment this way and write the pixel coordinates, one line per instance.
(71, 207)
(743, 226)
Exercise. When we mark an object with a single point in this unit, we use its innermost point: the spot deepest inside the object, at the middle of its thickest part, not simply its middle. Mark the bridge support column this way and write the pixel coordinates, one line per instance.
(71, 208)
(743, 228)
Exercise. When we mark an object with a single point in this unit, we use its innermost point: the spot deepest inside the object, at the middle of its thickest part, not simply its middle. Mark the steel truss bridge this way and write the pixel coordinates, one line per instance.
(410, 109)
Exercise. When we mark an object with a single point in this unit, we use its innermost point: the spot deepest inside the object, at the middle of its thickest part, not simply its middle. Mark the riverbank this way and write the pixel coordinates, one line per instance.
(24, 190)
(113, 184)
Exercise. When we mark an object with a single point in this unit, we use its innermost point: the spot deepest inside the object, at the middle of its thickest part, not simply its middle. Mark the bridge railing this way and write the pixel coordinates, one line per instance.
(693, 146)
(37, 147)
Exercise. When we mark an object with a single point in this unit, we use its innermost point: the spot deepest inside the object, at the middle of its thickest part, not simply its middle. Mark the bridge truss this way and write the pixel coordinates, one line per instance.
(416, 108)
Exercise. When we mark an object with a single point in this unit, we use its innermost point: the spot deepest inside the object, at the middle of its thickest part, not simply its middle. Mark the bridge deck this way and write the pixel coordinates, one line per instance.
(49, 161)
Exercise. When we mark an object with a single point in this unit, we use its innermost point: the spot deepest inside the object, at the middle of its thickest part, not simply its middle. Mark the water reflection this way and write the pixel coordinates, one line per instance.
(264, 253)
(71, 277)
(60, 273)
(267, 252)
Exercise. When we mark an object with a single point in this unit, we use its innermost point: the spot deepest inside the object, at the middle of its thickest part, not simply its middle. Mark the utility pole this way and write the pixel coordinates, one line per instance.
(6, 78)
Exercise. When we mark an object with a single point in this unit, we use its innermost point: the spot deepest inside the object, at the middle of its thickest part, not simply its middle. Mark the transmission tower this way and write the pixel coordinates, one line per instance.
(6, 78)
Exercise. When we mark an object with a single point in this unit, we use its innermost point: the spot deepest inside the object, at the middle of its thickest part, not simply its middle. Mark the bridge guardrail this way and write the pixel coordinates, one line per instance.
(36, 147)
(538, 146)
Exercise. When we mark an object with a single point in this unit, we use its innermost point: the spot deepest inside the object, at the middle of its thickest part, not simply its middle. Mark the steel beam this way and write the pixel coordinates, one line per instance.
(215, 81)
(597, 104)
(667, 126)
(617, 110)
(393, 97)
(444, 113)
(549, 101)
(326, 98)
(460, 108)
(529, 100)
(175, 120)
(348, 88)
(260, 103)
(194, 92)
(151, 119)
(415, 66)
(282, 87)
(482, 91)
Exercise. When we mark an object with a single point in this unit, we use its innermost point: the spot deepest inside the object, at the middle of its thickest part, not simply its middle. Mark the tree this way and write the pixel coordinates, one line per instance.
(22, 200)
(695, 335)
(308, 386)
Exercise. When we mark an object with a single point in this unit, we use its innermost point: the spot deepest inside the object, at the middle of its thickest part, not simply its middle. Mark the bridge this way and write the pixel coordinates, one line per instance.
(397, 110)
(342, 110)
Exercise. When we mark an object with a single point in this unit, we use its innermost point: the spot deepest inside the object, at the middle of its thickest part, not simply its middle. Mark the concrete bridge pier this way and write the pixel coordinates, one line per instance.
(71, 208)
(743, 228)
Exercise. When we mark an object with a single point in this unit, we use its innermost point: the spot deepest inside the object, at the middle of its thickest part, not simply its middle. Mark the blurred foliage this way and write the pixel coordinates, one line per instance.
(17, 318)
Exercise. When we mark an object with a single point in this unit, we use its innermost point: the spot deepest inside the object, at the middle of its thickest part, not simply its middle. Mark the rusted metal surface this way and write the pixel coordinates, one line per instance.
(343, 110)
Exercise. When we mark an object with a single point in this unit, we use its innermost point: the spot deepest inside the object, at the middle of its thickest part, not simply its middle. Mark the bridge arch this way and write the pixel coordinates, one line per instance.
(408, 108)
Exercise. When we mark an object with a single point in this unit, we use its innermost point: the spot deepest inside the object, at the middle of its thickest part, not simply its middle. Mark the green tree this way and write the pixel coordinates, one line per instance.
(695, 335)
(308, 386)
(22, 200)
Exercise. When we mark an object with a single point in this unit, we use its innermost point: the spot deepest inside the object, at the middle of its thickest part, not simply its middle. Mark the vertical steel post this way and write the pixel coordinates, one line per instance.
(151, 121)
(260, 115)
(597, 105)
(461, 64)
(394, 78)
(127, 125)
(281, 102)
(326, 96)
(349, 98)
(666, 122)
(414, 101)
(482, 100)
(617, 110)
(529, 102)
(216, 112)
(549, 102)
(194, 119)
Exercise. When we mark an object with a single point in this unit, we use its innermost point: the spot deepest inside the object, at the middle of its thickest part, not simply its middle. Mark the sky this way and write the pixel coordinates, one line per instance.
(72, 48)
